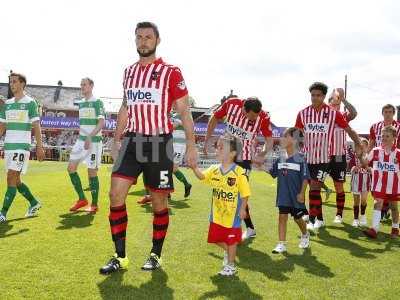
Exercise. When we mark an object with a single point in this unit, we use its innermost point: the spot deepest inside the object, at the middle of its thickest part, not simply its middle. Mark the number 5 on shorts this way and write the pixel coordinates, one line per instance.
(164, 180)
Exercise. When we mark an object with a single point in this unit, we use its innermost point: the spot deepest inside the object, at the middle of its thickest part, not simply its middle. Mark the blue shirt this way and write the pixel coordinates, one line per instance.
(291, 172)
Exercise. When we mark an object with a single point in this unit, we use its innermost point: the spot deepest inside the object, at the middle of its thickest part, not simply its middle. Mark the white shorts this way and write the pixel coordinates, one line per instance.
(17, 160)
(179, 153)
(90, 157)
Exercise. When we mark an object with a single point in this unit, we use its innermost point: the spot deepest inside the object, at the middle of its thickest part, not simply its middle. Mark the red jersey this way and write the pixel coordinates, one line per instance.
(238, 125)
(318, 127)
(385, 170)
(375, 132)
(338, 146)
(150, 92)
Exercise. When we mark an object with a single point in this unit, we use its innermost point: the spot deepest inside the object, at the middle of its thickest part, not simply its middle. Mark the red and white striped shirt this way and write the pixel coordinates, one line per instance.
(150, 92)
(385, 170)
(318, 127)
(339, 146)
(238, 125)
(360, 177)
(375, 132)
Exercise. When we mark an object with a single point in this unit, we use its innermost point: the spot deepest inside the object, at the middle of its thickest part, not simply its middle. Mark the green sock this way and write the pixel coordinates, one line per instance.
(8, 199)
(94, 188)
(179, 175)
(24, 191)
(76, 182)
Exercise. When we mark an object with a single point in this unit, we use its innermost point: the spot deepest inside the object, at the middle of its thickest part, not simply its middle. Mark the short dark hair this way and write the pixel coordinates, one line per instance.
(389, 106)
(21, 77)
(320, 86)
(148, 25)
(252, 104)
(296, 134)
(89, 80)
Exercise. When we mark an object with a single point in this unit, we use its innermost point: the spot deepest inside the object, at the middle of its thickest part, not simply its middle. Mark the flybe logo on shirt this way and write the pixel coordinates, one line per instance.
(316, 128)
(17, 115)
(143, 96)
(385, 166)
(239, 132)
(223, 195)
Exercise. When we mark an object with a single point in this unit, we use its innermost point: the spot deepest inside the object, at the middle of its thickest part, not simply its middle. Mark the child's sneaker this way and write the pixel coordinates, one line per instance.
(338, 220)
(228, 270)
(363, 220)
(318, 224)
(310, 226)
(248, 233)
(280, 248)
(371, 233)
(304, 241)
(356, 223)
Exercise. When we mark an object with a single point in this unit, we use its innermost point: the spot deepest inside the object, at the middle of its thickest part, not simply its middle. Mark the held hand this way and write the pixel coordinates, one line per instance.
(300, 198)
(88, 143)
(116, 145)
(40, 153)
(358, 151)
(191, 156)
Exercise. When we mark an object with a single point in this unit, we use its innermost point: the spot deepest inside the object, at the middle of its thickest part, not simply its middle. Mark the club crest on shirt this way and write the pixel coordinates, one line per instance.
(182, 85)
(154, 75)
(325, 115)
(231, 181)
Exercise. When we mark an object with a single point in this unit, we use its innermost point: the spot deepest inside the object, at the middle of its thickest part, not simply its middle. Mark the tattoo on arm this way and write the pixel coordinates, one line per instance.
(352, 110)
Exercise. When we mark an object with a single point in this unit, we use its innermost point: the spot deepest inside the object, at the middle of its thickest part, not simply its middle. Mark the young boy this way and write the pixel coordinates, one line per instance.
(360, 186)
(385, 163)
(230, 194)
(292, 173)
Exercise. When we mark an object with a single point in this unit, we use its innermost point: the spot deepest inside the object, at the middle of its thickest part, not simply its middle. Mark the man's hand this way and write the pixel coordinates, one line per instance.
(191, 156)
(115, 147)
(340, 92)
(205, 148)
(358, 150)
(40, 153)
(300, 198)
(88, 142)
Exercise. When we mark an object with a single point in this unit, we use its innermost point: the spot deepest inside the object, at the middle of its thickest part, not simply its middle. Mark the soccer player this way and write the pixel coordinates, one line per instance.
(88, 148)
(338, 164)
(292, 173)
(318, 123)
(151, 88)
(360, 186)
(230, 194)
(385, 163)
(17, 118)
(244, 119)
(375, 139)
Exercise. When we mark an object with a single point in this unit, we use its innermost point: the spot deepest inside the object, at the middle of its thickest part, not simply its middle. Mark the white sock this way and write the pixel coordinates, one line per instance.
(376, 219)
(395, 225)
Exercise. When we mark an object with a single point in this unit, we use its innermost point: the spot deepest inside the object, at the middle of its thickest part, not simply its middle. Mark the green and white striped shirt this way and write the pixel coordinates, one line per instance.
(18, 117)
(90, 111)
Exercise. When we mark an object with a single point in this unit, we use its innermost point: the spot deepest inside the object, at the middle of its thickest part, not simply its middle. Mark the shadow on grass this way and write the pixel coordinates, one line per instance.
(75, 220)
(230, 288)
(141, 192)
(6, 227)
(156, 288)
(172, 204)
(255, 260)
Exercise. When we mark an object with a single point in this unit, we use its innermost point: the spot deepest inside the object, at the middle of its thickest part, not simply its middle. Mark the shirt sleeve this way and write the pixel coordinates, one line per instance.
(221, 111)
(370, 157)
(208, 174)
(372, 135)
(33, 111)
(244, 186)
(3, 113)
(100, 109)
(340, 121)
(299, 123)
(265, 127)
(177, 85)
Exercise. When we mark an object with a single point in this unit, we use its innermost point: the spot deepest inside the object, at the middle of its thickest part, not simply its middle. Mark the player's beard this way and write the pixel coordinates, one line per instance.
(148, 53)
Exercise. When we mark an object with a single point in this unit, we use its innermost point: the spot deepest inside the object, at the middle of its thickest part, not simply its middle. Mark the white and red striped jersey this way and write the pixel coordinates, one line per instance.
(238, 125)
(385, 170)
(318, 126)
(150, 91)
(360, 177)
(375, 132)
(338, 146)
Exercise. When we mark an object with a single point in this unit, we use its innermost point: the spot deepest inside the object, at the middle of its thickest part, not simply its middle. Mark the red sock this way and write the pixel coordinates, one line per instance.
(118, 222)
(315, 204)
(340, 199)
(160, 227)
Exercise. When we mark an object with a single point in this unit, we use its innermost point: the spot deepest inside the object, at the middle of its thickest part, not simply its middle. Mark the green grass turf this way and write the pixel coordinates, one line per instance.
(57, 255)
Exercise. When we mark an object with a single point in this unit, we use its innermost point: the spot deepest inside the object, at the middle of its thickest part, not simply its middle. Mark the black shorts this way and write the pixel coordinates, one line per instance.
(337, 168)
(318, 172)
(296, 213)
(246, 165)
(150, 155)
